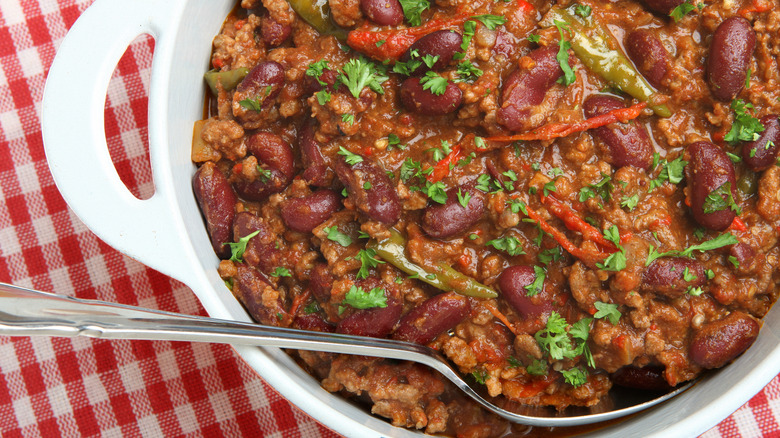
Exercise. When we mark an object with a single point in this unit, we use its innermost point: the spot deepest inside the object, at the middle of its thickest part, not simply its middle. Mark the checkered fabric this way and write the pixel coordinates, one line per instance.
(81, 387)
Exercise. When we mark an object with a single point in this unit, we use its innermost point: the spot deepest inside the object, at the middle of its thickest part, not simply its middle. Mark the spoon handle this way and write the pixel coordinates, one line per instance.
(25, 312)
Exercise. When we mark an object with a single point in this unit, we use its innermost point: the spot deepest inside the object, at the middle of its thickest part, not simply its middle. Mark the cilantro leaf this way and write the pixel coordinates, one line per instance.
(349, 157)
(630, 202)
(316, 69)
(337, 236)
(510, 244)
(615, 262)
(463, 198)
(575, 376)
(563, 54)
(538, 283)
(721, 199)
(722, 240)
(357, 298)
(681, 10)
(582, 10)
(436, 192)
(467, 72)
(537, 368)
(745, 126)
(281, 272)
(367, 258)
(433, 82)
(237, 249)
(413, 10)
(360, 73)
(490, 21)
(607, 310)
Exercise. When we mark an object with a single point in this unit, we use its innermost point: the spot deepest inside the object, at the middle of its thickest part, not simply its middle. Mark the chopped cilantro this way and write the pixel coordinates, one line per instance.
(630, 202)
(349, 119)
(575, 376)
(536, 287)
(312, 307)
(509, 244)
(603, 188)
(413, 10)
(237, 249)
(682, 10)
(323, 97)
(559, 343)
(463, 198)
(537, 368)
(349, 157)
(534, 38)
(607, 310)
(367, 258)
(480, 376)
(433, 82)
(721, 199)
(316, 69)
(357, 298)
(745, 126)
(360, 73)
(337, 236)
(563, 54)
(281, 272)
(582, 10)
(490, 21)
(467, 72)
(436, 192)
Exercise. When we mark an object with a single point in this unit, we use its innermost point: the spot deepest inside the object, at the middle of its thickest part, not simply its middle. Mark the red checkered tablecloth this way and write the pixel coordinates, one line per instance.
(80, 387)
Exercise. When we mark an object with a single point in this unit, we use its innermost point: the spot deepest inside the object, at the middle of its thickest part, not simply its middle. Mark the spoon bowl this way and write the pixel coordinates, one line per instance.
(25, 312)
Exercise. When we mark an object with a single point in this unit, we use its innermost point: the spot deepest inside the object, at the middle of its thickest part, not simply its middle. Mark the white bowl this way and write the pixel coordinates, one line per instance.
(166, 232)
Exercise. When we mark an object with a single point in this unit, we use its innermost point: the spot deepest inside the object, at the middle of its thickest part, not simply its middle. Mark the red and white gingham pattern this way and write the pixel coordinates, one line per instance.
(81, 387)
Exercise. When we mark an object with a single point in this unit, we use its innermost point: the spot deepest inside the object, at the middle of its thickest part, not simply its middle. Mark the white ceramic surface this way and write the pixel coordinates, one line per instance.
(166, 232)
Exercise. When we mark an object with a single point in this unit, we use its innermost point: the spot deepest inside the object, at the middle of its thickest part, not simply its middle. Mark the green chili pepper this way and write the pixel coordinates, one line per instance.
(229, 79)
(593, 45)
(392, 250)
(317, 14)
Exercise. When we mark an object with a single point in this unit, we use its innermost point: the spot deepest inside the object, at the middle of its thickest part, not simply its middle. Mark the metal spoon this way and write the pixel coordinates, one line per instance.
(25, 312)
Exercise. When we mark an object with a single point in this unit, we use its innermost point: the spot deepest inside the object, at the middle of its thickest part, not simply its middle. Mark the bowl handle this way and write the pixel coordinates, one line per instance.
(75, 140)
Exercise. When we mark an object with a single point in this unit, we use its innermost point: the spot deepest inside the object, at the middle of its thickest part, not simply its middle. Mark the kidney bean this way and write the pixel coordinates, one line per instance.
(708, 169)
(275, 156)
(249, 285)
(372, 190)
(525, 89)
(743, 253)
(383, 12)
(662, 6)
(647, 378)
(730, 51)
(376, 322)
(317, 172)
(433, 317)
(627, 143)
(720, 341)
(260, 250)
(451, 218)
(217, 203)
(263, 82)
(649, 55)
(304, 214)
(512, 283)
(760, 154)
(273, 32)
(313, 322)
(321, 282)
(422, 101)
(442, 43)
(666, 276)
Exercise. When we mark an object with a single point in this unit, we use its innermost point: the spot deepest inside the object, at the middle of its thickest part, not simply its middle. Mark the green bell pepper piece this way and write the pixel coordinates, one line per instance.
(392, 250)
(593, 45)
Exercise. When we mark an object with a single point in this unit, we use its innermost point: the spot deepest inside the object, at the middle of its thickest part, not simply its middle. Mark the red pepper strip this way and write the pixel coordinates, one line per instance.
(755, 6)
(563, 240)
(738, 225)
(442, 168)
(525, 6)
(396, 41)
(575, 223)
(558, 130)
